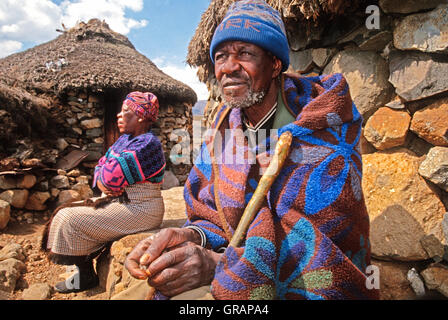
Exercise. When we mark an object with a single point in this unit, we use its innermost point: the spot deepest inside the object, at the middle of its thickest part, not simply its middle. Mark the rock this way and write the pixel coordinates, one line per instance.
(417, 145)
(77, 130)
(416, 282)
(91, 123)
(82, 179)
(387, 128)
(436, 278)
(84, 190)
(61, 144)
(367, 75)
(4, 295)
(321, 56)
(433, 247)
(36, 201)
(42, 186)
(26, 181)
(401, 206)
(169, 180)
(365, 145)
(376, 42)
(12, 250)
(394, 284)
(29, 217)
(5, 210)
(174, 202)
(7, 182)
(15, 197)
(99, 140)
(54, 192)
(408, 6)
(37, 291)
(396, 104)
(431, 122)
(435, 167)
(60, 182)
(71, 121)
(93, 156)
(417, 75)
(94, 133)
(61, 172)
(301, 61)
(68, 196)
(74, 173)
(9, 164)
(32, 163)
(445, 226)
(10, 271)
(425, 32)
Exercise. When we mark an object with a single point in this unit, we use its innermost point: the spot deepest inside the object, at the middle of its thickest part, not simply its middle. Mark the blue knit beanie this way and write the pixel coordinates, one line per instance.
(256, 22)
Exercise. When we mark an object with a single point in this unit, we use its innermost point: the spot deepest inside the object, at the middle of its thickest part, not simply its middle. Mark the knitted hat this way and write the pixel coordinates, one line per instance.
(145, 105)
(256, 22)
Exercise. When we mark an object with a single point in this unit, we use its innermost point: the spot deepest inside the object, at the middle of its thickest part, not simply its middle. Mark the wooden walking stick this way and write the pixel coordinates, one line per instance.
(265, 183)
(275, 166)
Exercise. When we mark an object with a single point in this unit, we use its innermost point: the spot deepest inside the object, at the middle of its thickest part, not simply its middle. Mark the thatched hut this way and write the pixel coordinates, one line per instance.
(64, 95)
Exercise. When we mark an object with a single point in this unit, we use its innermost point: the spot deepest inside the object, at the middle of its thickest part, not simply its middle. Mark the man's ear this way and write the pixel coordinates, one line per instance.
(277, 67)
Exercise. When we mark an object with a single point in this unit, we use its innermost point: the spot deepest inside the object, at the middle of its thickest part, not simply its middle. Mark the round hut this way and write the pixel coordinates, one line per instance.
(394, 55)
(64, 95)
(58, 107)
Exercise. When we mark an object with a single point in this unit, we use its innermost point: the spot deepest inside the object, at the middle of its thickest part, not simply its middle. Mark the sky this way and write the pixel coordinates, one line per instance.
(159, 29)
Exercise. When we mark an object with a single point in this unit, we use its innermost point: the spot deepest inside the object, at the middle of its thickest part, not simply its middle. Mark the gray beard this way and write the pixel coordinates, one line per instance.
(252, 98)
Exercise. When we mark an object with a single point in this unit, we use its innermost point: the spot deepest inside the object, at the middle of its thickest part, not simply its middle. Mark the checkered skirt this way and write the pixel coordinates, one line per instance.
(80, 231)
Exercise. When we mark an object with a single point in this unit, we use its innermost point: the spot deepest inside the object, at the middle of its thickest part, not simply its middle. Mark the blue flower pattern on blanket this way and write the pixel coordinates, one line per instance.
(260, 252)
(329, 187)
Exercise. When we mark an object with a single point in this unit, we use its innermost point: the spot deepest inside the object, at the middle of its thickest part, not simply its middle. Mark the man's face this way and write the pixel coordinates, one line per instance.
(127, 120)
(244, 72)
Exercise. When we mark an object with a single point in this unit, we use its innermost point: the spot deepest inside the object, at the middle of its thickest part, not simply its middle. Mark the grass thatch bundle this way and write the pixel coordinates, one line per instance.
(294, 12)
(89, 56)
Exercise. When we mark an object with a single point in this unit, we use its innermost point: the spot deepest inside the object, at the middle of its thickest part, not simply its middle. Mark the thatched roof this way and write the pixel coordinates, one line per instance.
(303, 15)
(91, 56)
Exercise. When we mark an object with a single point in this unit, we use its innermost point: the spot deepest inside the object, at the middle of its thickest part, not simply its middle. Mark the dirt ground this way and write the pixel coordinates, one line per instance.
(38, 268)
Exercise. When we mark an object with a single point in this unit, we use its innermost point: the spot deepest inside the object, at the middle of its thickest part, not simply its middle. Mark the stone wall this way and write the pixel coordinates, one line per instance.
(398, 80)
(32, 195)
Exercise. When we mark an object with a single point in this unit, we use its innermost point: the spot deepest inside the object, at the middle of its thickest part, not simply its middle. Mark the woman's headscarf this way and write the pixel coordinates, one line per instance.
(144, 104)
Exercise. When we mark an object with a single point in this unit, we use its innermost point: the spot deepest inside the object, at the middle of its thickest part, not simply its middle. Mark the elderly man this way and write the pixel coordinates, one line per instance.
(310, 238)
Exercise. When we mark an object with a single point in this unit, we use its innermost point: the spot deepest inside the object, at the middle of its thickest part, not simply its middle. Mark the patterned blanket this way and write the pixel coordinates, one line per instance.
(310, 239)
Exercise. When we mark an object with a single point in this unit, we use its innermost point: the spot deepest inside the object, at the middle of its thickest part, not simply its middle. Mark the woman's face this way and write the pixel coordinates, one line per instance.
(127, 120)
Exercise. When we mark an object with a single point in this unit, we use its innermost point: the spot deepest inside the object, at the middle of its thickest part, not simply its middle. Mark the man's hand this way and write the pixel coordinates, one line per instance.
(174, 261)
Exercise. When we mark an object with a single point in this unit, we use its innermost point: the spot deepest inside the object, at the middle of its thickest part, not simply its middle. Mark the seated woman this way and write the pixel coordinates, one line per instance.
(133, 167)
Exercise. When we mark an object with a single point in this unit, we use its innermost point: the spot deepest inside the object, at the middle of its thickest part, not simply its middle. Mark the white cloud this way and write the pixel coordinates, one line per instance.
(185, 74)
(36, 21)
(9, 47)
(113, 11)
(28, 20)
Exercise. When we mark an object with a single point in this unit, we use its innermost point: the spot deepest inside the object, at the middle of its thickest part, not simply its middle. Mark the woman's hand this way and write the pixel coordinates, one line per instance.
(108, 192)
(174, 261)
